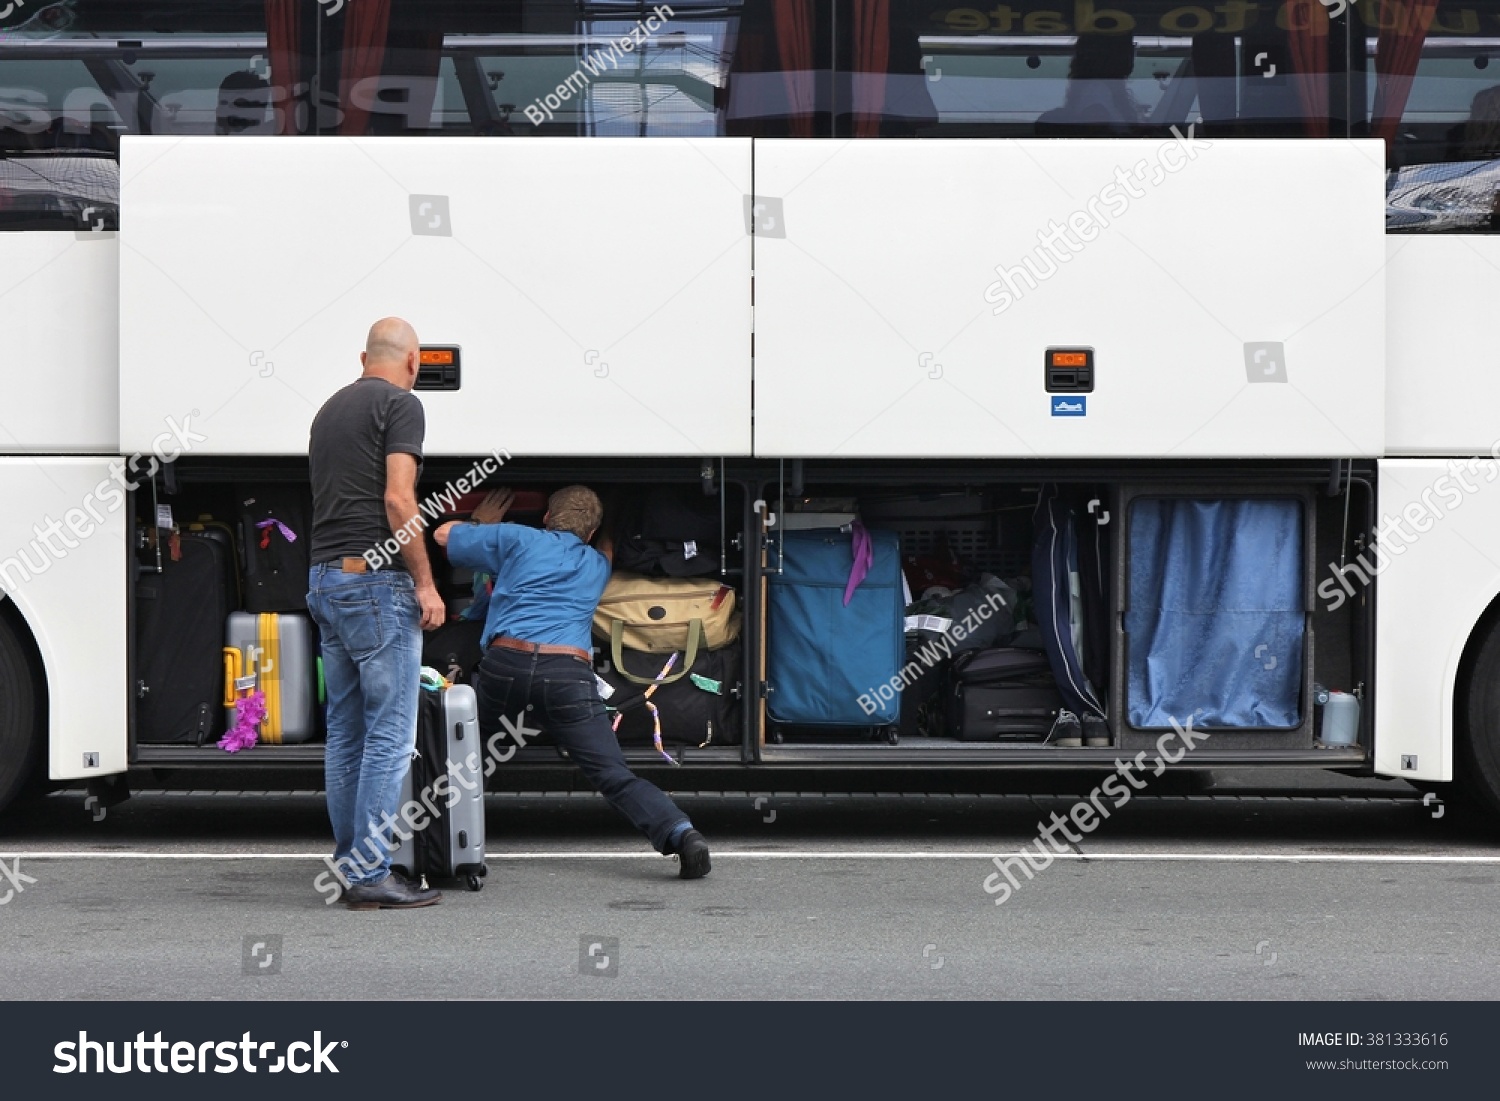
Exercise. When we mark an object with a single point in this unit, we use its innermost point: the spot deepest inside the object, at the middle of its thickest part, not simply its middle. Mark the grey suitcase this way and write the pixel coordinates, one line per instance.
(273, 654)
(445, 837)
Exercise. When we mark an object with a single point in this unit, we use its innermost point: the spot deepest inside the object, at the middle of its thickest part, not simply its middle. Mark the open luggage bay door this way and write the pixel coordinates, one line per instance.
(582, 296)
(1085, 298)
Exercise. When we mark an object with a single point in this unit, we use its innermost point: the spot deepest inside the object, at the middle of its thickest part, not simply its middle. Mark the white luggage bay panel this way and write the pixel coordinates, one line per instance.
(597, 288)
(1232, 296)
(1443, 374)
(59, 341)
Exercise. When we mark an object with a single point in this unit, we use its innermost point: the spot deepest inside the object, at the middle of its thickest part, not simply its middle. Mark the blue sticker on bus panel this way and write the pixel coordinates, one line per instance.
(1069, 405)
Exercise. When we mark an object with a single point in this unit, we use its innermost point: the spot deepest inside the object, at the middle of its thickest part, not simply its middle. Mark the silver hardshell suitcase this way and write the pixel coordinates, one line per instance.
(442, 796)
(273, 654)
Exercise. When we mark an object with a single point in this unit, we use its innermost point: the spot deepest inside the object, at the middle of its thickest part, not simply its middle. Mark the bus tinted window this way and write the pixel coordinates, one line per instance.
(1443, 145)
(1422, 74)
(602, 68)
(74, 76)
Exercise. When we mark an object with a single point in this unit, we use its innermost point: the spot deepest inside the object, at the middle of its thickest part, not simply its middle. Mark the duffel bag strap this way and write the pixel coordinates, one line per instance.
(617, 645)
(660, 679)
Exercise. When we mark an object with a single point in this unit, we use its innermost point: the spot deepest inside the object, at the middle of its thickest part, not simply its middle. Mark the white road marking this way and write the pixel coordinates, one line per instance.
(751, 854)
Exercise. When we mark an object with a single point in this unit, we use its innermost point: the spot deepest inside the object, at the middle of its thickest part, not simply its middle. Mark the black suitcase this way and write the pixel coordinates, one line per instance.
(1002, 695)
(702, 708)
(179, 640)
(276, 532)
(923, 700)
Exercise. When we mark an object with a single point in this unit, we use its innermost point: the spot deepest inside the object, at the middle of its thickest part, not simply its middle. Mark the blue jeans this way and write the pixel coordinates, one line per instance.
(372, 661)
(565, 703)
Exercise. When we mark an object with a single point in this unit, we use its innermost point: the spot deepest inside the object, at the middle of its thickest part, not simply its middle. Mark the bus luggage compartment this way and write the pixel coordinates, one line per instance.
(967, 535)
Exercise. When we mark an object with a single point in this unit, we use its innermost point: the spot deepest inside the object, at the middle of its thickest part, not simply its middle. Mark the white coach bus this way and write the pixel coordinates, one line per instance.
(916, 262)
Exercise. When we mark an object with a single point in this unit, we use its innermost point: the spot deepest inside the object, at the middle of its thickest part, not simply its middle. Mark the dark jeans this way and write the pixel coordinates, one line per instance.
(565, 703)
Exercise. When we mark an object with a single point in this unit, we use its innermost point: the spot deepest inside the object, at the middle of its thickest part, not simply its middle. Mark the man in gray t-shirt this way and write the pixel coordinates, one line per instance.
(364, 456)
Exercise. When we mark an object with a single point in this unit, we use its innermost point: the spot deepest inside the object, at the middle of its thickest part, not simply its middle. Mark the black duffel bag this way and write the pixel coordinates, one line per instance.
(669, 531)
(703, 708)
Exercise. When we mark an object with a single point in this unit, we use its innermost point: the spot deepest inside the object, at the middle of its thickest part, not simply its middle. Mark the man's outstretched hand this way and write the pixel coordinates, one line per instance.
(495, 505)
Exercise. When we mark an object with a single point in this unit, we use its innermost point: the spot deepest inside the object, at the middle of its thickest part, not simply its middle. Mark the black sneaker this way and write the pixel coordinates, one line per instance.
(1096, 731)
(1067, 731)
(394, 892)
(692, 852)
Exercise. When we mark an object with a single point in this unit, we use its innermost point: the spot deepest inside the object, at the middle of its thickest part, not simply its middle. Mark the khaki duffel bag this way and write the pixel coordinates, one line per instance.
(663, 615)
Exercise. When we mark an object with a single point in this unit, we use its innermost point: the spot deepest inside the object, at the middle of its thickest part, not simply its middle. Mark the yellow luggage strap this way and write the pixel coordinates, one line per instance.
(268, 674)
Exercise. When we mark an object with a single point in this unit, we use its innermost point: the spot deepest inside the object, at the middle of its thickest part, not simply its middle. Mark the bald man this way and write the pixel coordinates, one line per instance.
(365, 455)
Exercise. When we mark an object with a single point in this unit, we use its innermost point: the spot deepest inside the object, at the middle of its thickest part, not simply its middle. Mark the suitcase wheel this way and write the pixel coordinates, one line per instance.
(893, 736)
(474, 883)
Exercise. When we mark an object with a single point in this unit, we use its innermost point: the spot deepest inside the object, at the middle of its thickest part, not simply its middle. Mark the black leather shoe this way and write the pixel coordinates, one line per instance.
(692, 852)
(344, 887)
(391, 893)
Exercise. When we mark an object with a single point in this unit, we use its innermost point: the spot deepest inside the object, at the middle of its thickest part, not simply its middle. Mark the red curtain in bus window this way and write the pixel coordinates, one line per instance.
(872, 63)
(794, 47)
(366, 24)
(1402, 30)
(1307, 35)
(282, 43)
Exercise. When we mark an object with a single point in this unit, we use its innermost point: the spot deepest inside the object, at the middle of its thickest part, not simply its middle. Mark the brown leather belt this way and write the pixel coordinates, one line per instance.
(358, 565)
(541, 648)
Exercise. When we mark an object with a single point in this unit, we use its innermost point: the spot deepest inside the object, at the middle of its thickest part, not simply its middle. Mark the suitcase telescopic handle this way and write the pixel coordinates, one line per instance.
(233, 667)
(235, 680)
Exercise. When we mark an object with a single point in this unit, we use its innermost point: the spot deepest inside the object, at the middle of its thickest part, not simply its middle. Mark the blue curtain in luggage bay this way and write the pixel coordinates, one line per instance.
(1216, 620)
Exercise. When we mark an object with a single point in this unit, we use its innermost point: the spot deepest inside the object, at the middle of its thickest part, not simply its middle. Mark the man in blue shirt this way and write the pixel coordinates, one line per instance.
(536, 642)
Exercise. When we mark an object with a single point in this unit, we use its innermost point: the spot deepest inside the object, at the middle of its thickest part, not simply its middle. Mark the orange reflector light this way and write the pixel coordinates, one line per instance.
(1070, 359)
(437, 357)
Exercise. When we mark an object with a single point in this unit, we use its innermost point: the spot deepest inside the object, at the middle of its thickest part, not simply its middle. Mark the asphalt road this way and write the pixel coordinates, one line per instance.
(1315, 888)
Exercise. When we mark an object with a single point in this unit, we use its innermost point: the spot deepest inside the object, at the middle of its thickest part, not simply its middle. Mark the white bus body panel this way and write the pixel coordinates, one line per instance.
(59, 341)
(598, 288)
(74, 600)
(877, 286)
(1443, 370)
(1429, 597)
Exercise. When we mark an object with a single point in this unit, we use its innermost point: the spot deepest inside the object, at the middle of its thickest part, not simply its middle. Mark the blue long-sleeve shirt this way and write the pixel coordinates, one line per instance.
(547, 583)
